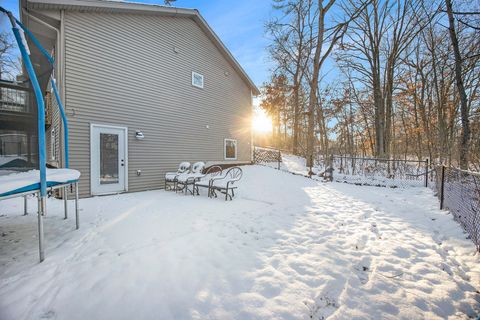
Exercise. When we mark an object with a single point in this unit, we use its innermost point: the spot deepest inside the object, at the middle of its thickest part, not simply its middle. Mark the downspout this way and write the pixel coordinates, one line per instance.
(61, 64)
(61, 53)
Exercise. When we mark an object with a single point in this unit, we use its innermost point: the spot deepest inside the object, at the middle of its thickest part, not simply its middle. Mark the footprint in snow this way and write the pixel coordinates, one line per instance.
(437, 237)
(275, 263)
(322, 308)
(361, 242)
(301, 269)
(374, 229)
(50, 314)
(362, 270)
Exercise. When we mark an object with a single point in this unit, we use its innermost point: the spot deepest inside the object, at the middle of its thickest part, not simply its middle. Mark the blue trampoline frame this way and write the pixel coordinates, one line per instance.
(41, 188)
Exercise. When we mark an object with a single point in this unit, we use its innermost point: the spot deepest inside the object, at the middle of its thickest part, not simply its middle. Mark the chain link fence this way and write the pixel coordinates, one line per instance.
(267, 156)
(459, 192)
(394, 173)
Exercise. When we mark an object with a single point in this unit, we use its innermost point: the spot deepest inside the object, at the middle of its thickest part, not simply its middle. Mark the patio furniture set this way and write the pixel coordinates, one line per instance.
(190, 178)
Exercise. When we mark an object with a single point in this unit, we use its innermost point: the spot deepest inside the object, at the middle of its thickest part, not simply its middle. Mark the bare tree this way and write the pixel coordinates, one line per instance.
(397, 92)
(8, 60)
(373, 47)
(274, 104)
(324, 41)
(290, 50)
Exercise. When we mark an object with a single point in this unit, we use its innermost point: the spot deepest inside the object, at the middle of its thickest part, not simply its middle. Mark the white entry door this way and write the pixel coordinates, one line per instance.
(108, 163)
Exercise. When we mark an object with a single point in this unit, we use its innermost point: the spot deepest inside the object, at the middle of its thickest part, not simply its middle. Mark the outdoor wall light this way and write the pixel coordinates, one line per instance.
(139, 135)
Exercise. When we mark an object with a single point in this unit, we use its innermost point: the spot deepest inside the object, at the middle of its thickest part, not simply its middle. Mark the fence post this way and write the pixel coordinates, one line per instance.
(254, 155)
(279, 159)
(311, 164)
(442, 187)
(426, 172)
(331, 166)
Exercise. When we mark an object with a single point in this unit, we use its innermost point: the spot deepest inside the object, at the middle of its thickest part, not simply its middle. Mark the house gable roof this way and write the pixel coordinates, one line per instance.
(109, 6)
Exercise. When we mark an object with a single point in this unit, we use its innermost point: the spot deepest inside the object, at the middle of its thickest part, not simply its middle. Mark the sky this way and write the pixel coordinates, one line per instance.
(239, 24)
(11, 5)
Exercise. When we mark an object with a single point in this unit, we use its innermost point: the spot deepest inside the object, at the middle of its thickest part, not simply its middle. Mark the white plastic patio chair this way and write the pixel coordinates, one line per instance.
(171, 177)
(204, 181)
(188, 178)
(226, 184)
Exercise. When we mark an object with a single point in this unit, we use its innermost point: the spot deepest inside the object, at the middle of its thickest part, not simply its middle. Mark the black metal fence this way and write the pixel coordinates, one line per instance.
(459, 192)
(267, 156)
(376, 172)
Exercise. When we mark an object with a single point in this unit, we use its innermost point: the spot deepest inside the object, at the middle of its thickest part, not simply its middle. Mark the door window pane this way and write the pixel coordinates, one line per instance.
(108, 158)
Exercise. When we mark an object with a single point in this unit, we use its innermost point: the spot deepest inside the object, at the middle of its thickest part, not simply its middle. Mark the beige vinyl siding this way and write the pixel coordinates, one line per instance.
(121, 69)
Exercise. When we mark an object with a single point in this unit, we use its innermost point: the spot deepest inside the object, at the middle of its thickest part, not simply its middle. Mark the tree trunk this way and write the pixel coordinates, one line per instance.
(379, 116)
(312, 101)
(296, 111)
(464, 144)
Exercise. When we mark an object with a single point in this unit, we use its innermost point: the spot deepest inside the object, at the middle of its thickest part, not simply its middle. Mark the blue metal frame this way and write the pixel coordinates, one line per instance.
(64, 120)
(40, 104)
(23, 46)
(54, 87)
(34, 186)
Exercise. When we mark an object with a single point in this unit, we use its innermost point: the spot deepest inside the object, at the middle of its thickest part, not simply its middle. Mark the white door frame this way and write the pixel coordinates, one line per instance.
(125, 129)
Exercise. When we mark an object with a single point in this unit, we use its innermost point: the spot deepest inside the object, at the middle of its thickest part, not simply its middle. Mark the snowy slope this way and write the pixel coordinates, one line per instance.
(286, 248)
(295, 164)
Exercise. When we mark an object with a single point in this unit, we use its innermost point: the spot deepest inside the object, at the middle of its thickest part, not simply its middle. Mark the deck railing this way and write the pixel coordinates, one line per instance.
(14, 98)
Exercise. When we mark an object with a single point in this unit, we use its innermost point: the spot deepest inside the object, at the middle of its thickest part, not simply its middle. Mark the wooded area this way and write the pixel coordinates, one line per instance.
(383, 78)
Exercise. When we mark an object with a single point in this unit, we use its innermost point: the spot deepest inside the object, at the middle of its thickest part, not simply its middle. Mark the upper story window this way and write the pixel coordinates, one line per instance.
(230, 149)
(197, 80)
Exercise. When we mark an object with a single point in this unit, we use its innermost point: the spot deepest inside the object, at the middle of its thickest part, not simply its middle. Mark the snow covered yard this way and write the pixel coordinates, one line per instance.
(286, 248)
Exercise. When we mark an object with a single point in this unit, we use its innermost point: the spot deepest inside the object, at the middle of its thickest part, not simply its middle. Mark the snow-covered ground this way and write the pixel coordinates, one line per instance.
(294, 164)
(286, 247)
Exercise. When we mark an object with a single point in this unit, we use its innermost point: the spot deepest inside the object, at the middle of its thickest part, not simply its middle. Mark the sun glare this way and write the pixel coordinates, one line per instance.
(261, 122)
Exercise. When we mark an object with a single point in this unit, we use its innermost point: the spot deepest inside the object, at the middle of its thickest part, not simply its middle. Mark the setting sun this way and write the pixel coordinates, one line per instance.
(261, 122)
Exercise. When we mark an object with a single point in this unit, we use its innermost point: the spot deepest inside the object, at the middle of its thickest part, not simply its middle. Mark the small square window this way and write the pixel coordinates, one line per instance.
(230, 149)
(197, 80)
